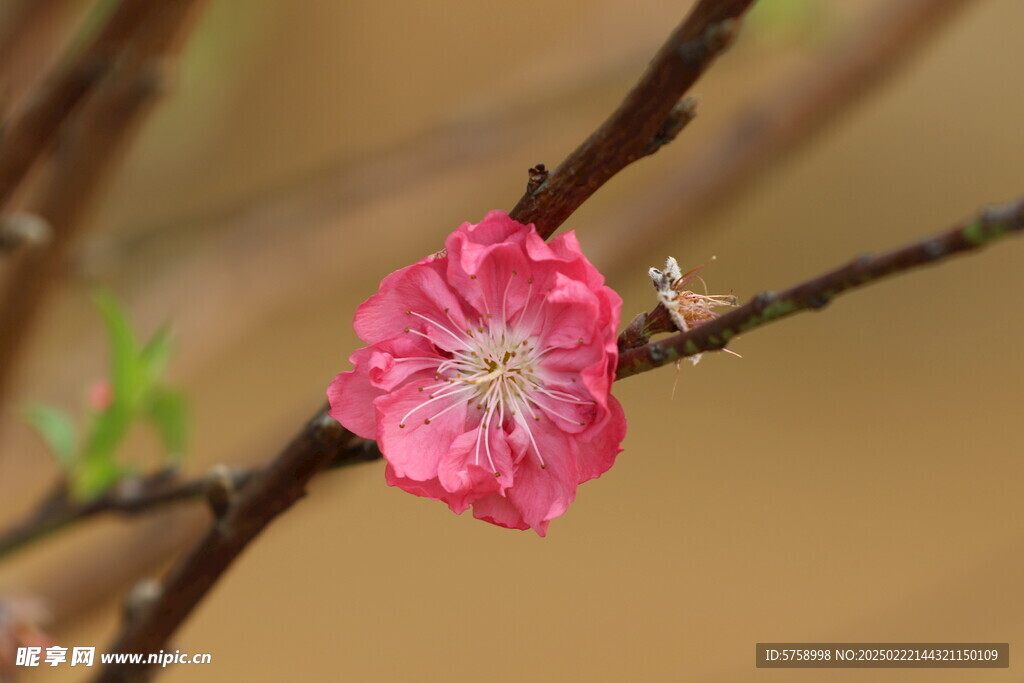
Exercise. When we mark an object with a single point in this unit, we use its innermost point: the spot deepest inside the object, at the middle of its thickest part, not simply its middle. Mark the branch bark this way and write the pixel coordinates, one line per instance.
(130, 497)
(634, 129)
(987, 226)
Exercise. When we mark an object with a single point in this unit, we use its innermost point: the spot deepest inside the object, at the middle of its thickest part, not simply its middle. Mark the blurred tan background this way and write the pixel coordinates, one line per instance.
(856, 476)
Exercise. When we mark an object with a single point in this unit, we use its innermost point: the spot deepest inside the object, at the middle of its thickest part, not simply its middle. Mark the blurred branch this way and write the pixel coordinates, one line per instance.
(32, 34)
(771, 128)
(816, 293)
(34, 128)
(649, 117)
(143, 495)
(87, 157)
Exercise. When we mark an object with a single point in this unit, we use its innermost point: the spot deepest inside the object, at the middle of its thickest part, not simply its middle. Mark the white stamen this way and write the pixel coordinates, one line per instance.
(438, 326)
(494, 366)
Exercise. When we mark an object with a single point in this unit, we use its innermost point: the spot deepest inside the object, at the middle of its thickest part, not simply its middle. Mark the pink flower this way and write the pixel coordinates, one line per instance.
(487, 374)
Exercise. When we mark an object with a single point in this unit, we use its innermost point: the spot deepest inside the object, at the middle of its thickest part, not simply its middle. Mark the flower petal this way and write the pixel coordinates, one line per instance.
(421, 288)
(498, 510)
(415, 449)
(431, 488)
(466, 467)
(376, 372)
(542, 493)
(602, 442)
(488, 267)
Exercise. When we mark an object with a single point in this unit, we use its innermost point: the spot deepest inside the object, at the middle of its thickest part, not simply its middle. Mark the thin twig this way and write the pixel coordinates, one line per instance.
(647, 118)
(129, 497)
(770, 128)
(138, 496)
(86, 159)
(763, 133)
(813, 294)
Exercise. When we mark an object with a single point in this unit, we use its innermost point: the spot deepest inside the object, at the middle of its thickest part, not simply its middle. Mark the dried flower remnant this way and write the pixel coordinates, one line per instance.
(487, 374)
(687, 308)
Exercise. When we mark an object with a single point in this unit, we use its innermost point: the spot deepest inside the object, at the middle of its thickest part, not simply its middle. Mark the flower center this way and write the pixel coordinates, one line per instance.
(496, 367)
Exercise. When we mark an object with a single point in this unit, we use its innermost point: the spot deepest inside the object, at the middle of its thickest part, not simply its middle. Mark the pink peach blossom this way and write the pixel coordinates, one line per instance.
(487, 374)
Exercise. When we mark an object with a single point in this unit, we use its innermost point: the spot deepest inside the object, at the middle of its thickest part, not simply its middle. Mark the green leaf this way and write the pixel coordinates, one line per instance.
(137, 393)
(154, 357)
(93, 478)
(106, 431)
(124, 365)
(56, 429)
(168, 411)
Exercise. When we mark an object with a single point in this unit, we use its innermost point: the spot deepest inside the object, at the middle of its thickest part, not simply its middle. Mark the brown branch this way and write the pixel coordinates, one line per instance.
(650, 116)
(765, 132)
(771, 128)
(642, 123)
(813, 294)
(129, 497)
(269, 493)
(144, 495)
(32, 37)
(644, 326)
(88, 156)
